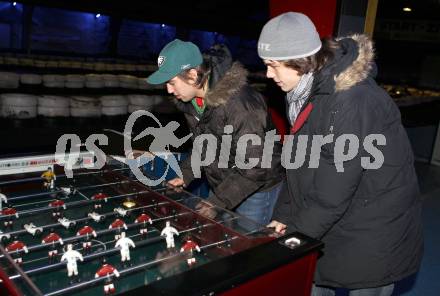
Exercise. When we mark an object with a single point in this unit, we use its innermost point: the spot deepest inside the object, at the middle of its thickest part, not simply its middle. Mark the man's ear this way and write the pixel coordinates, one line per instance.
(192, 77)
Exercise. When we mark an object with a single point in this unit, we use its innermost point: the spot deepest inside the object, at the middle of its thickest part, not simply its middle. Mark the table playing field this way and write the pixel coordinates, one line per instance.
(153, 265)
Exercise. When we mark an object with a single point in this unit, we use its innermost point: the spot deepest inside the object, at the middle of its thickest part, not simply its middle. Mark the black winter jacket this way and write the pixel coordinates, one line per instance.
(368, 219)
(231, 101)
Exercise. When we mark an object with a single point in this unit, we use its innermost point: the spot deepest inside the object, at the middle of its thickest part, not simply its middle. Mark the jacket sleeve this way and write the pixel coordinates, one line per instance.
(331, 192)
(241, 183)
(185, 165)
(187, 172)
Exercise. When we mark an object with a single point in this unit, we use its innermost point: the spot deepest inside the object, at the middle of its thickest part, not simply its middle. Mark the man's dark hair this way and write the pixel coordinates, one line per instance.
(315, 62)
(203, 72)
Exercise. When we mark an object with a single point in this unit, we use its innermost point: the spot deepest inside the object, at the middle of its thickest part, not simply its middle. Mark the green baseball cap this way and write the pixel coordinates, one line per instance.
(174, 58)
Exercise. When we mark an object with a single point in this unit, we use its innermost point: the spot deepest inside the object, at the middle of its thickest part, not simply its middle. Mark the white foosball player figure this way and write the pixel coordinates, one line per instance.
(71, 256)
(143, 218)
(96, 217)
(107, 271)
(49, 178)
(66, 223)
(118, 224)
(168, 232)
(17, 246)
(3, 199)
(87, 232)
(124, 243)
(120, 211)
(52, 238)
(32, 229)
(190, 246)
(11, 213)
(68, 190)
(4, 236)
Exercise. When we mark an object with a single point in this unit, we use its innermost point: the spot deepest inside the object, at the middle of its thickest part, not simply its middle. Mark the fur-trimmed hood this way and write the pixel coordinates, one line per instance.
(227, 86)
(226, 78)
(353, 62)
(361, 66)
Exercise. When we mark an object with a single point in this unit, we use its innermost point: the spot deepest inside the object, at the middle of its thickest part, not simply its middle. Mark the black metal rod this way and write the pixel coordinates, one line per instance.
(23, 180)
(22, 231)
(100, 232)
(71, 204)
(129, 270)
(21, 197)
(86, 258)
(100, 254)
(59, 176)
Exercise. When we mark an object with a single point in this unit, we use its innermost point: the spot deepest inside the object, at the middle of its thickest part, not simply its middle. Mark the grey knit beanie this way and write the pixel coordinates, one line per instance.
(290, 35)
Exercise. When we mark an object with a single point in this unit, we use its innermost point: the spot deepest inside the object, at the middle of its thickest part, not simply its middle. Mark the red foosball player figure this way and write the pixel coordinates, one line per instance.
(11, 212)
(143, 218)
(58, 205)
(118, 224)
(189, 247)
(52, 238)
(107, 271)
(17, 246)
(99, 198)
(88, 232)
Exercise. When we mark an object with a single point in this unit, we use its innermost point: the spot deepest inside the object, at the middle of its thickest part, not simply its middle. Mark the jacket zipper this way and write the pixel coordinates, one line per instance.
(332, 121)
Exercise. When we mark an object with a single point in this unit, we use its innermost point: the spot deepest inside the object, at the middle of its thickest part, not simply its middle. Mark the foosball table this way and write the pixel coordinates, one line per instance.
(104, 232)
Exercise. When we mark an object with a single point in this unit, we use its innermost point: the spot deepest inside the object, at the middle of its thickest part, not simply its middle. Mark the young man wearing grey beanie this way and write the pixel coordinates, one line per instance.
(368, 218)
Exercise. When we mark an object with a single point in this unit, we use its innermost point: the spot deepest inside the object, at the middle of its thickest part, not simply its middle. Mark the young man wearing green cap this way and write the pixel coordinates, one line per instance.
(214, 95)
(368, 217)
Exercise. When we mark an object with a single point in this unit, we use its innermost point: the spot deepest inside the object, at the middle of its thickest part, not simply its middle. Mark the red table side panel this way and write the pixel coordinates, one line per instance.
(294, 278)
(7, 286)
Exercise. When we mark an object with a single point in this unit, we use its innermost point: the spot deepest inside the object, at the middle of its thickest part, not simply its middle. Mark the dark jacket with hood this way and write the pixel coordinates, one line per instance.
(231, 101)
(368, 219)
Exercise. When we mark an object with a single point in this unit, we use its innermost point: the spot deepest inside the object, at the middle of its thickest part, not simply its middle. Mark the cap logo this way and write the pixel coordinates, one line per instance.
(264, 46)
(160, 60)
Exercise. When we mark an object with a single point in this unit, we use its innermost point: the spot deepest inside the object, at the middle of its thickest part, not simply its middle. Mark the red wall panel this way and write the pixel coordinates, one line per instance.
(321, 12)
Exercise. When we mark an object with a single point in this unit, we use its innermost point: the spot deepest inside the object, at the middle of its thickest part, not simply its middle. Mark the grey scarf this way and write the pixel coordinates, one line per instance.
(297, 96)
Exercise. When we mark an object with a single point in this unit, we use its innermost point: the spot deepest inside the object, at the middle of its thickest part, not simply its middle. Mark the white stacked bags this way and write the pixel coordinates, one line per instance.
(53, 106)
(85, 107)
(9, 80)
(140, 102)
(20, 106)
(114, 105)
